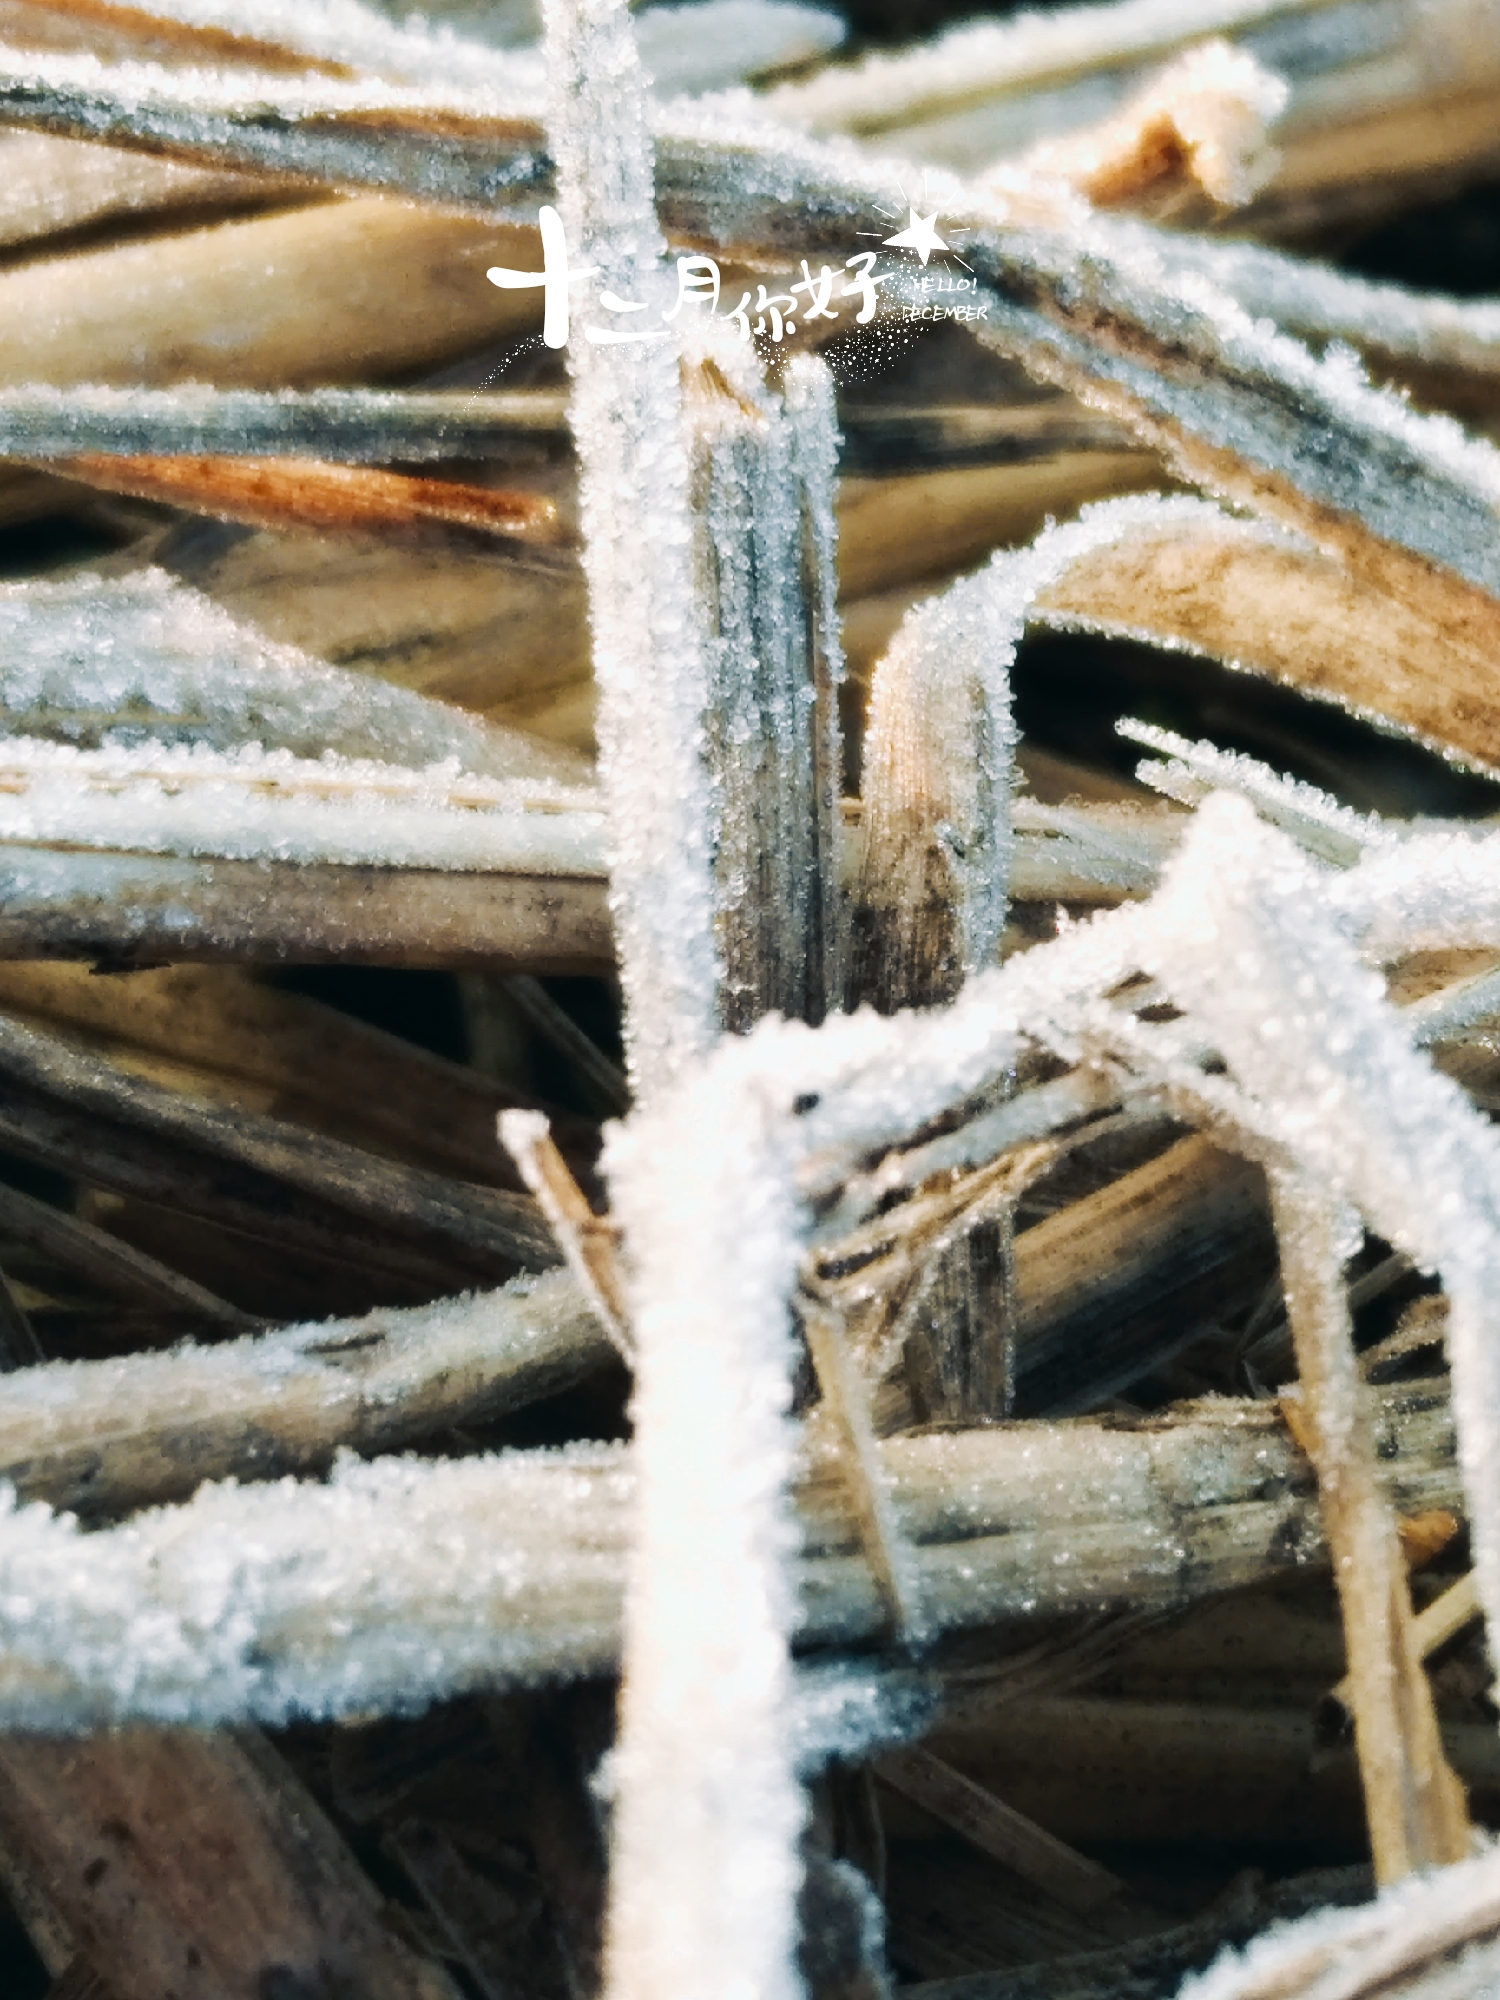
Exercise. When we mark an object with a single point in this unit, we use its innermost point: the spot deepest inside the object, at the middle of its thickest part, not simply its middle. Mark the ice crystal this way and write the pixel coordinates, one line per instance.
(849, 1711)
(1433, 891)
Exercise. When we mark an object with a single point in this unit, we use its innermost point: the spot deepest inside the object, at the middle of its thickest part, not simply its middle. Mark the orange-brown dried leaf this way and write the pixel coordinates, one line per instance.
(327, 499)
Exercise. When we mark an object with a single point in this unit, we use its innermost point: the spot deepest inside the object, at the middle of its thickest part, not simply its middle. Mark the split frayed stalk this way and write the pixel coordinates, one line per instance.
(763, 475)
(934, 878)
(802, 1095)
(846, 1403)
(1199, 127)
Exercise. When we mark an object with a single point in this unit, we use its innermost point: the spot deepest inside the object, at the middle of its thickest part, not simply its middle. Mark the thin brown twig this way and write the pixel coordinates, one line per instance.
(1442, 1620)
(846, 1399)
(589, 1242)
(996, 1828)
(535, 1003)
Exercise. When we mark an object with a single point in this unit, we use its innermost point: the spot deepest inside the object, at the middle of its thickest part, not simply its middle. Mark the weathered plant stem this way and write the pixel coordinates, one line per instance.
(556, 1025)
(1096, 1516)
(103, 1438)
(95, 1121)
(114, 1266)
(218, 1867)
(140, 909)
(1415, 1804)
(209, 1864)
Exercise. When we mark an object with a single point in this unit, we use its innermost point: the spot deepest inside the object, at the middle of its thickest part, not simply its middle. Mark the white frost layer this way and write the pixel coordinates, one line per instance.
(120, 661)
(1321, 1059)
(267, 805)
(1431, 891)
(704, 1871)
(345, 31)
(722, 42)
(711, 44)
(649, 643)
(477, 1336)
(1317, 821)
(239, 1603)
(464, 80)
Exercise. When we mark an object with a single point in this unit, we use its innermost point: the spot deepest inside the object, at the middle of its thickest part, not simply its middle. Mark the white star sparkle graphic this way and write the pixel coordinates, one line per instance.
(920, 234)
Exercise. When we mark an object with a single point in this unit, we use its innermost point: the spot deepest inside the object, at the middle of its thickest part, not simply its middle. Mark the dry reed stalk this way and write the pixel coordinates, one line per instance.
(208, 1862)
(69, 1109)
(1415, 1804)
(1166, 1514)
(222, 1033)
(55, 186)
(154, 1427)
(126, 910)
(303, 297)
(161, 1815)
